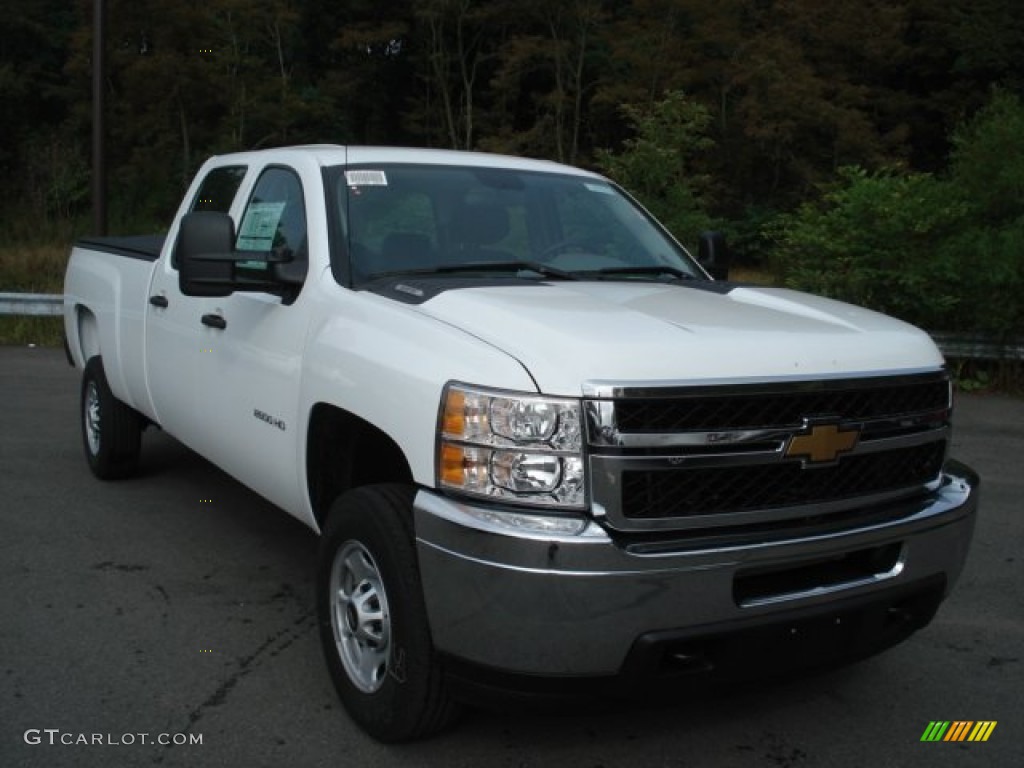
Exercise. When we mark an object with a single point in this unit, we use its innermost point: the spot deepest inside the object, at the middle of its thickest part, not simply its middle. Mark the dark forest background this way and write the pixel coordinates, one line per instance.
(870, 150)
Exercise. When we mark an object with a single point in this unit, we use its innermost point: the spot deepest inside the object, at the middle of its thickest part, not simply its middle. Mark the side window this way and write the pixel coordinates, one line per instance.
(216, 193)
(274, 221)
(275, 217)
(219, 188)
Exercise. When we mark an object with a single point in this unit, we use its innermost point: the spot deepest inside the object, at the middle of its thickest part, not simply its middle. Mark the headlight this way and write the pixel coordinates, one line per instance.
(509, 446)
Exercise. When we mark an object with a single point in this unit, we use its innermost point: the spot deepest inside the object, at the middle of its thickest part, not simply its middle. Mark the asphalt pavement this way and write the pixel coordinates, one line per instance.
(178, 607)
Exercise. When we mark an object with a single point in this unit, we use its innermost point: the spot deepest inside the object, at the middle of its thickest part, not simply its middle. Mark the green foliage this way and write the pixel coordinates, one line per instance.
(32, 270)
(988, 159)
(37, 331)
(873, 240)
(977, 382)
(791, 91)
(990, 275)
(943, 253)
(748, 239)
(659, 164)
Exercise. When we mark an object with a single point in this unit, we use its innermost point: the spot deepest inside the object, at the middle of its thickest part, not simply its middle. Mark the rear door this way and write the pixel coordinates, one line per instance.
(179, 345)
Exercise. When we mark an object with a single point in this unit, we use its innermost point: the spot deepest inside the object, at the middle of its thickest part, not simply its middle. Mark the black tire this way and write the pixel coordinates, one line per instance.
(373, 621)
(111, 430)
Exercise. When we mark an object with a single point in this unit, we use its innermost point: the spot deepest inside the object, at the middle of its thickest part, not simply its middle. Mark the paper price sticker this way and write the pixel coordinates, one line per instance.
(366, 178)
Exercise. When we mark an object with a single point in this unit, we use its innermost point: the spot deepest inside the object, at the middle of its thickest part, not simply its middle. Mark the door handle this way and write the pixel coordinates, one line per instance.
(215, 321)
(159, 301)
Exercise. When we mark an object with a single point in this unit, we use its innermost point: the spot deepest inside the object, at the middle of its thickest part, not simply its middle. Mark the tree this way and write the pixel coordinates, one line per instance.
(987, 169)
(944, 252)
(660, 164)
(38, 152)
(543, 78)
(459, 39)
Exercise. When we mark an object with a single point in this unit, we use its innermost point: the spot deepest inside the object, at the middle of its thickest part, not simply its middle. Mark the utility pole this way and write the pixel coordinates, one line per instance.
(99, 160)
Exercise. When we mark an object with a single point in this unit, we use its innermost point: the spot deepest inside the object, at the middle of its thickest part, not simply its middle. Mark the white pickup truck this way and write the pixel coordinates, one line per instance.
(544, 448)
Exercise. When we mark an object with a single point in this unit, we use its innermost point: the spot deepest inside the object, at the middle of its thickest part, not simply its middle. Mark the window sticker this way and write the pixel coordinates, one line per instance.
(259, 226)
(604, 189)
(366, 178)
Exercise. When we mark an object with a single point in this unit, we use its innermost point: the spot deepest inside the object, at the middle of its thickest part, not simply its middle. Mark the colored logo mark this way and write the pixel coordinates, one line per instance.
(959, 730)
(824, 444)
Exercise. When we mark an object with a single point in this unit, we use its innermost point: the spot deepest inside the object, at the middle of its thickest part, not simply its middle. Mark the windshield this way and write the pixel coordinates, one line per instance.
(428, 219)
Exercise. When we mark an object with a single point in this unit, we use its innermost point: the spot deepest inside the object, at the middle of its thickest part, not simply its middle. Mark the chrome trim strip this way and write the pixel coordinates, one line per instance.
(911, 440)
(756, 451)
(602, 431)
(606, 472)
(829, 589)
(753, 517)
(509, 521)
(951, 492)
(600, 388)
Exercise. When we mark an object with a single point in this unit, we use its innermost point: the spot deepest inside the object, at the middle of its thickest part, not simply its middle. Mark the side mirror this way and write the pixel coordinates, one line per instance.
(713, 255)
(210, 265)
(204, 252)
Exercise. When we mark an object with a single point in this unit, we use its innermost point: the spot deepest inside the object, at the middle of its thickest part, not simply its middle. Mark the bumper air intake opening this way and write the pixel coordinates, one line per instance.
(763, 585)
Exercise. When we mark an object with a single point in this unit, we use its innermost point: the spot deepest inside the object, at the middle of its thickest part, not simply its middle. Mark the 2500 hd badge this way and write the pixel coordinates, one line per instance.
(269, 419)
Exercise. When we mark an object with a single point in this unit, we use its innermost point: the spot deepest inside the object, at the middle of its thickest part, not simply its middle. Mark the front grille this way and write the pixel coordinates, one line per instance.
(714, 490)
(738, 410)
(721, 457)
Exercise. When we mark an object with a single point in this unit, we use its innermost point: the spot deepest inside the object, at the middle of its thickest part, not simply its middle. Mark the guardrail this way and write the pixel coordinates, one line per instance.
(33, 304)
(971, 346)
(978, 346)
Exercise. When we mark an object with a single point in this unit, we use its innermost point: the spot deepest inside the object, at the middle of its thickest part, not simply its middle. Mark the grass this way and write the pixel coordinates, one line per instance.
(32, 269)
(28, 331)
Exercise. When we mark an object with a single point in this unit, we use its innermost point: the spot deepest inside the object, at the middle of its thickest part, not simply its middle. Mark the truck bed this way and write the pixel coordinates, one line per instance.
(106, 292)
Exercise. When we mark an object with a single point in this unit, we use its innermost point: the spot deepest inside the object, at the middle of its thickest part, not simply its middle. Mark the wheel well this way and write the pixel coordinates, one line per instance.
(88, 334)
(344, 451)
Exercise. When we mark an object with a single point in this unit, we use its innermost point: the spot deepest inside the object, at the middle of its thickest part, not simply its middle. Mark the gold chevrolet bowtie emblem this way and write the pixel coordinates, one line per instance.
(823, 445)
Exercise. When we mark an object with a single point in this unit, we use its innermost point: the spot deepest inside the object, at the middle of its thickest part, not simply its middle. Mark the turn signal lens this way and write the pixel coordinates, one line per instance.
(454, 419)
(452, 457)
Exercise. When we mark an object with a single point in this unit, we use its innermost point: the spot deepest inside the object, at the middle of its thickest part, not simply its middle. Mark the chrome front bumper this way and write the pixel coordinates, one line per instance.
(555, 604)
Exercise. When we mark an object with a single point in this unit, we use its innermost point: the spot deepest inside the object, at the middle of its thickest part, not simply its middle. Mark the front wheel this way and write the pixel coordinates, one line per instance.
(373, 621)
(111, 430)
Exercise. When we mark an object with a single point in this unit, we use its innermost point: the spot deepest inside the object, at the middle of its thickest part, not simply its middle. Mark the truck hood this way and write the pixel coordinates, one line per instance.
(566, 334)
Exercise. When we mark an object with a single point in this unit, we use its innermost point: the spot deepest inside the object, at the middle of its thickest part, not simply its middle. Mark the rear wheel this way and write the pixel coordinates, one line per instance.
(373, 622)
(111, 430)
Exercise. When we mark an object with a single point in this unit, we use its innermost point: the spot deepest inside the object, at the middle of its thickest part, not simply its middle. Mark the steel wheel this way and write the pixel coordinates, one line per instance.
(373, 621)
(92, 417)
(360, 617)
(111, 430)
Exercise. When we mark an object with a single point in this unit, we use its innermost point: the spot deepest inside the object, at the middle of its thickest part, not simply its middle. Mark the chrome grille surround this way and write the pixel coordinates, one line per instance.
(667, 467)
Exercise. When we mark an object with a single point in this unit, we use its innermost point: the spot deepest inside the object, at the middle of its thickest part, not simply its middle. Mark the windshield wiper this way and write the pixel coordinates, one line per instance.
(486, 266)
(638, 270)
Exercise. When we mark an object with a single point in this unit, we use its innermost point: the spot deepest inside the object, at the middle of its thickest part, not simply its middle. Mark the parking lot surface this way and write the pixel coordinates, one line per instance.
(178, 605)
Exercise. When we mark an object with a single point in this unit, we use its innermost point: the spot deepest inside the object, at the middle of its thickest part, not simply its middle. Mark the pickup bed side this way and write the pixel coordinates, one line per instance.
(105, 298)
